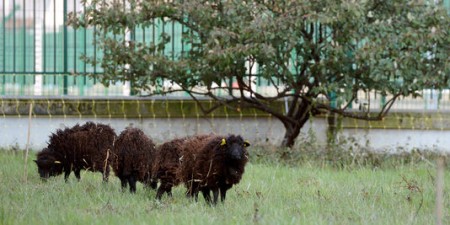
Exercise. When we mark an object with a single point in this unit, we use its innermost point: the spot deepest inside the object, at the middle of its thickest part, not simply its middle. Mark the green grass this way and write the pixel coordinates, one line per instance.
(268, 194)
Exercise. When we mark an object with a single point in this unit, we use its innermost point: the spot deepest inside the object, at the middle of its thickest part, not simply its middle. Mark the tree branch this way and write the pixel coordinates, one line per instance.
(357, 115)
(387, 107)
(258, 105)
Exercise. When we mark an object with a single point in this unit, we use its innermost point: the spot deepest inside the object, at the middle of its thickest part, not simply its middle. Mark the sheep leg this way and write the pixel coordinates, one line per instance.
(223, 193)
(153, 184)
(206, 195)
(215, 195)
(160, 192)
(164, 188)
(150, 184)
(123, 181)
(132, 183)
(192, 191)
(192, 194)
(195, 195)
(169, 191)
(77, 174)
(66, 174)
(168, 183)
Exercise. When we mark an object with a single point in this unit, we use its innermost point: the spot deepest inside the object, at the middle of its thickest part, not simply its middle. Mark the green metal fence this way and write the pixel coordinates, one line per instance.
(35, 45)
(39, 54)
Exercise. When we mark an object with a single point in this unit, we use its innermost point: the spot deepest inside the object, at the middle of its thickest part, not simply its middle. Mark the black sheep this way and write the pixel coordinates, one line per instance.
(133, 158)
(167, 162)
(214, 164)
(80, 147)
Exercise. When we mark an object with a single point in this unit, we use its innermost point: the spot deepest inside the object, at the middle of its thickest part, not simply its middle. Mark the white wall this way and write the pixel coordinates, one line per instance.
(257, 130)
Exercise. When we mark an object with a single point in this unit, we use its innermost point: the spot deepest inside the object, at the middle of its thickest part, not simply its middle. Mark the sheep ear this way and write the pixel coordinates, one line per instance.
(246, 143)
(57, 162)
(224, 142)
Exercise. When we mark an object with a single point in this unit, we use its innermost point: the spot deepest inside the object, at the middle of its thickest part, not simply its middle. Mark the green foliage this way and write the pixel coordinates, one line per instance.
(307, 50)
(346, 153)
(268, 194)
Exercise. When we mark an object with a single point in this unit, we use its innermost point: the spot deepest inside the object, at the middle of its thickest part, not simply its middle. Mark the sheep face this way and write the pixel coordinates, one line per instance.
(48, 166)
(235, 147)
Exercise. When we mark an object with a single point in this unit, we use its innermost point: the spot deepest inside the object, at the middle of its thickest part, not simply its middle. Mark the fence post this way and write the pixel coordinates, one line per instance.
(30, 113)
(65, 74)
(440, 190)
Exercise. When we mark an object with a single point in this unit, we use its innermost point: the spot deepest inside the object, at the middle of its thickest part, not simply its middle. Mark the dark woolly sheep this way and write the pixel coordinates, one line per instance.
(133, 158)
(213, 164)
(167, 163)
(80, 147)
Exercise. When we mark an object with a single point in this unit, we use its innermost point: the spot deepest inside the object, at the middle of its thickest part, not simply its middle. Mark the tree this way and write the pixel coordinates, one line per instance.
(317, 54)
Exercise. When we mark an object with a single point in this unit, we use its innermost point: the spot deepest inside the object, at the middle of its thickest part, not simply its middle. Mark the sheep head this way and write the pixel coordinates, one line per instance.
(235, 147)
(48, 165)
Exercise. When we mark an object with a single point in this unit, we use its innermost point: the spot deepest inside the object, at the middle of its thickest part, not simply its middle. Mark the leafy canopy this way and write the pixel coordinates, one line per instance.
(305, 50)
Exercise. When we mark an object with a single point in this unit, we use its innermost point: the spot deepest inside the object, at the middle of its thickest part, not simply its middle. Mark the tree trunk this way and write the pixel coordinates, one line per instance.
(300, 116)
(290, 135)
(332, 131)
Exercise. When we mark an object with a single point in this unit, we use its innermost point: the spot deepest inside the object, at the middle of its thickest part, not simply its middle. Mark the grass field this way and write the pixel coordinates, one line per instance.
(268, 194)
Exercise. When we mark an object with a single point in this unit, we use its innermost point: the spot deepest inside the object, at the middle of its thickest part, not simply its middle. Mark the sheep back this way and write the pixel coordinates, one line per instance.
(167, 161)
(80, 147)
(134, 155)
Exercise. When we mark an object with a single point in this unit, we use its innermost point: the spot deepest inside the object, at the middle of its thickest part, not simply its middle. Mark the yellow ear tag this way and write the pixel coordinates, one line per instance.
(246, 143)
(223, 142)
(57, 162)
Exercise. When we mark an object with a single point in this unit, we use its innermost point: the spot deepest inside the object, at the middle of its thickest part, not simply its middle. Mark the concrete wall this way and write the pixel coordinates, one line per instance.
(259, 130)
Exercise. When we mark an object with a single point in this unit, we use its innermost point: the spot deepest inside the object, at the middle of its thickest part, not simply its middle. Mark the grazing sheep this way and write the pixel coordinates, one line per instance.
(80, 147)
(133, 158)
(167, 163)
(213, 164)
